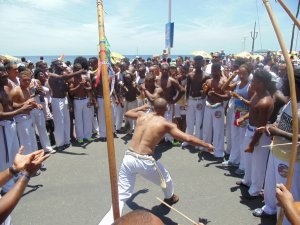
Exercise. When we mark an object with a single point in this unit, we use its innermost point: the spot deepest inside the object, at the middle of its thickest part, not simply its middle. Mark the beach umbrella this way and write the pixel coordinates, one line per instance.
(261, 58)
(245, 55)
(202, 53)
(10, 58)
(116, 57)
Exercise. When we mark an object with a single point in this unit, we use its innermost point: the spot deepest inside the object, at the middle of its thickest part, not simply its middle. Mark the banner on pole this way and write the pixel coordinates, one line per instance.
(169, 35)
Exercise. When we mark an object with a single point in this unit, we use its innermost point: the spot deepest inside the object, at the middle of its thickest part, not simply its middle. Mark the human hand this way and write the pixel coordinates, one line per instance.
(26, 108)
(210, 148)
(145, 107)
(40, 106)
(284, 197)
(211, 92)
(239, 121)
(30, 163)
(249, 149)
(234, 94)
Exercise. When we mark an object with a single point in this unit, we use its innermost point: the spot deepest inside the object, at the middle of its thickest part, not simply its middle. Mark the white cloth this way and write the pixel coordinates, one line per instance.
(128, 106)
(213, 128)
(61, 119)
(101, 117)
(194, 115)
(83, 119)
(119, 116)
(256, 162)
(26, 133)
(131, 166)
(169, 116)
(228, 125)
(277, 173)
(38, 120)
(10, 129)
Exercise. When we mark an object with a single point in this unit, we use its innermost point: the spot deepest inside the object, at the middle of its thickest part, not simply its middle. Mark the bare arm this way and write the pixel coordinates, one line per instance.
(181, 136)
(66, 76)
(188, 86)
(179, 88)
(137, 112)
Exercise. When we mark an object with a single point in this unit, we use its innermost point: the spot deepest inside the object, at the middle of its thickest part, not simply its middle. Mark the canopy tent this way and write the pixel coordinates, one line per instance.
(202, 53)
(245, 55)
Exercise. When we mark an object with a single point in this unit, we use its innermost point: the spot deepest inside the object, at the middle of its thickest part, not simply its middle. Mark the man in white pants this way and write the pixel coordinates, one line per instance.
(151, 127)
(20, 95)
(261, 108)
(278, 162)
(38, 115)
(170, 88)
(98, 90)
(8, 132)
(195, 99)
(213, 122)
(60, 106)
(79, 87)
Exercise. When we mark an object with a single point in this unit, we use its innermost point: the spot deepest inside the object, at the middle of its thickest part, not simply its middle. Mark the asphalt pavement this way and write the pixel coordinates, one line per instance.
(75, 189)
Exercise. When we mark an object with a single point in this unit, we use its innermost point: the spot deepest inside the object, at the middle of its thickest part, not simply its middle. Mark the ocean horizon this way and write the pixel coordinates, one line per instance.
(71, 58)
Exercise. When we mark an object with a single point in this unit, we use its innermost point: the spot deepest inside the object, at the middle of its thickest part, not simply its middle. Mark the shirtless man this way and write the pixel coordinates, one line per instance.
(170, 87)
(60, 108)
(150, 128)
(213, 125)
(8, 132)
(98, 92)
(12, 71)
(261, 108)
(79, 88)
(151, 90)
(19, 96)
(195, 99)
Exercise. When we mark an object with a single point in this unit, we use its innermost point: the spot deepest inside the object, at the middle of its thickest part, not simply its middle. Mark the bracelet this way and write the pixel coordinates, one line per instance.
(26, 176)
(13, 171)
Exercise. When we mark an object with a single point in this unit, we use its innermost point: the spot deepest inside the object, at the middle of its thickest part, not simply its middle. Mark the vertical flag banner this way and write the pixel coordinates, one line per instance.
(169, 35)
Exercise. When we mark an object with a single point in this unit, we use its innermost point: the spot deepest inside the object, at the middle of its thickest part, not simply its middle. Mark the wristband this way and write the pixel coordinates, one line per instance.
(26, 176)
(13, 171)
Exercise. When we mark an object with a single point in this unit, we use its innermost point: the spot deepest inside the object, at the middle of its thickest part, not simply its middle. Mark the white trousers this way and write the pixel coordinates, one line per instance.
(213, 128)
(169, 116)
(119, 115)
(131, 166)
(228, 125)
(128, 106)
(26, 133)
(61, 118)
(256, 162)
(38, 120)
(277, 173)
(83, 119)
(7, 156)
(237, 150)
(101, 117)
(194, 116)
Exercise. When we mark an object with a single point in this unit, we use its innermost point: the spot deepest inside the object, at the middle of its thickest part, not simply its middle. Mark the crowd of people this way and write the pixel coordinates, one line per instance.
(222, 101)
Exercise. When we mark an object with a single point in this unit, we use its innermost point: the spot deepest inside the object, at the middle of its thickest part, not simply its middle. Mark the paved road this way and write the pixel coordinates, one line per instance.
(75, 189)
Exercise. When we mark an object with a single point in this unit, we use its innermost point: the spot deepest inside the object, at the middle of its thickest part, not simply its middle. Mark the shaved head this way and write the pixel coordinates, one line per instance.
(138, 217)
(160, 105)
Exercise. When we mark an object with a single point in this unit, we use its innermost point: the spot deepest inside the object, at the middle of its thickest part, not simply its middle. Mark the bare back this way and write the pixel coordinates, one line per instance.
(149, 130)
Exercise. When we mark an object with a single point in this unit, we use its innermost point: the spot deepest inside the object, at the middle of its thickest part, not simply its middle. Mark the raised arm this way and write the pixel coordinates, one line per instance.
(136, 112)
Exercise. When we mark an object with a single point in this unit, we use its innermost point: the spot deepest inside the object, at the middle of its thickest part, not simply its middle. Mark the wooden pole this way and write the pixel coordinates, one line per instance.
(293, 100)
(288, 11)
(108, 113)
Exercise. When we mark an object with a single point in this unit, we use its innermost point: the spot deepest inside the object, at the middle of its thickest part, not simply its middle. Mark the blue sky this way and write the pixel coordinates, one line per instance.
(53, 27)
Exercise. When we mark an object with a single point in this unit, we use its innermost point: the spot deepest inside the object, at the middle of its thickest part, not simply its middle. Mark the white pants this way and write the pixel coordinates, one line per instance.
(38, 120)
(7, 156)
(228, 125)
(119, 115)
(169, 116)
(256, 162)
(61, 118)
(131, 166)
(128, 106)
(194, 116)
(237, 150)
(273, 177)
(213, 128)
(26, 133)
(83, 119)
(101, 117)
